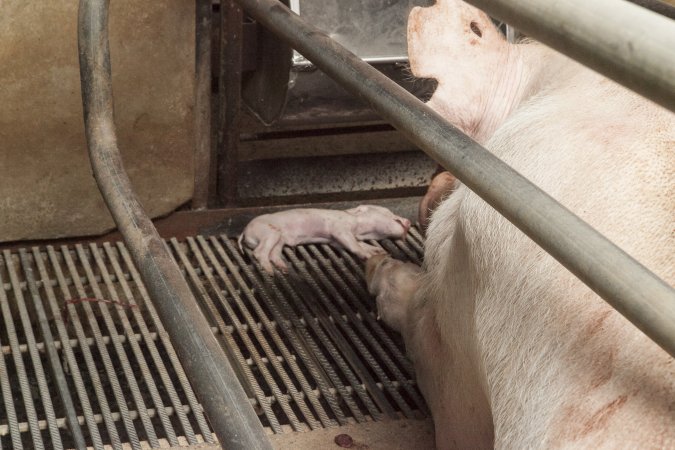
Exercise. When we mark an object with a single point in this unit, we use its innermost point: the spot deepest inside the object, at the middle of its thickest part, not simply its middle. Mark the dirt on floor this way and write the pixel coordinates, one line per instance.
(389, 435)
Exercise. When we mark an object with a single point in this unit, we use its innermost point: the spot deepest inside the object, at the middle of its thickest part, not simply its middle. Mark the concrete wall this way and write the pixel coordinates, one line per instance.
(46, 186)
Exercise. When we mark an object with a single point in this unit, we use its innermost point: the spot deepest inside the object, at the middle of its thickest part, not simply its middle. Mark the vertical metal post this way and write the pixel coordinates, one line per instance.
(225, 403)
(202, 158)
(231, 32)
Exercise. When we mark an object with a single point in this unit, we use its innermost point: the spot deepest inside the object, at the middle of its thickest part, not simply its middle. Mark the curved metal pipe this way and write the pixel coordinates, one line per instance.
(627, 285)
(225, 403)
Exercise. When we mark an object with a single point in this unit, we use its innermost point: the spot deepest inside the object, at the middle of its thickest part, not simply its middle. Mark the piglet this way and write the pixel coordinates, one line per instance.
(442, 185)
(267, 234)
(393, 283)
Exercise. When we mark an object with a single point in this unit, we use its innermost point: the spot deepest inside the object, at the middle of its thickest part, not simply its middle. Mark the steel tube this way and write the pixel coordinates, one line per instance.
(633, 290)
(621, 40)
(217, 388)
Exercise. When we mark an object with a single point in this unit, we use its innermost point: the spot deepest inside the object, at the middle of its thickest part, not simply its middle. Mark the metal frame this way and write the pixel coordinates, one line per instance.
(204, 181)
(229, 120)
(224, 400)
(624, 283)
(628, 286)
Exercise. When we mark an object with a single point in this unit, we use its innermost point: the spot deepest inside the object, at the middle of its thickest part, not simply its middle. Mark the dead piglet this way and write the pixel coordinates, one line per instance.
(267, 234)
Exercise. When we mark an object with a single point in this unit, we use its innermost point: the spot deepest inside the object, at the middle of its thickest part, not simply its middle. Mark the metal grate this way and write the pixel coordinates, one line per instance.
(75, 371)
(307, 347)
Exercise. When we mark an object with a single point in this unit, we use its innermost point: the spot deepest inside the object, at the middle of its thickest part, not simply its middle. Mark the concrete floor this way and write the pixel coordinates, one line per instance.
(389, 435)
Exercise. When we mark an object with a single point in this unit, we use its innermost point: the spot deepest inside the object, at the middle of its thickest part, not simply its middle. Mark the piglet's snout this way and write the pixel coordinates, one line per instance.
(405, 223)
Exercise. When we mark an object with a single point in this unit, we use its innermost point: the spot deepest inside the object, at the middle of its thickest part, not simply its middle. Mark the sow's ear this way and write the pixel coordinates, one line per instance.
(446, 34)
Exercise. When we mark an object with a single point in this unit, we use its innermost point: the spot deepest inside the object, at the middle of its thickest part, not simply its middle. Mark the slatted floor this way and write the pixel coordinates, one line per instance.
(82, 344)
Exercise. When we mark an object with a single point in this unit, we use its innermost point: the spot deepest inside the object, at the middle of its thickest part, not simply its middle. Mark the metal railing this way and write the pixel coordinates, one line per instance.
(223, 398)
(628, 286)
(624, 283)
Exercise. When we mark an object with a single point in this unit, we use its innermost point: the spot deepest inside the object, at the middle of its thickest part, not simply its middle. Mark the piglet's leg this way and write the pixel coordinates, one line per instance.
(360, 249)
(264, 248)
(275, 257)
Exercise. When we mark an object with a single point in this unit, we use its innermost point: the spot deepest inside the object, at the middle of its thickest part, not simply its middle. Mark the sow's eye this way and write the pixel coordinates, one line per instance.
(475, 29)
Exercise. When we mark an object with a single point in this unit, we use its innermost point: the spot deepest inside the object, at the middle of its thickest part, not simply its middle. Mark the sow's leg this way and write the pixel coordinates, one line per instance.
(432, 309)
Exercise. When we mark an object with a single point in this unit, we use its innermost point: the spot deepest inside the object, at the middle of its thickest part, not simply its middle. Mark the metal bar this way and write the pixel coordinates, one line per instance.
(121, 354)
(257, 333)
(166, 343)
(346, 341)
(23, 427)
(628, 286)
(92, 370)
(416, 241)
(224, 400)
(355, 387)
(111, 375)
(273, 331)
(52, 354)
(294, 329)
(7, 397)
(138, 354)
(348, 301)
(202, 158)
(73, 343)
(399, 251)
(232, 348)
(360, 297)
(43, 389)
(313, 323)
(149, 341)
(345, 321)
(231, 41)
(29, 406)
(623, 41)
(67, 348)
(246, 339)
